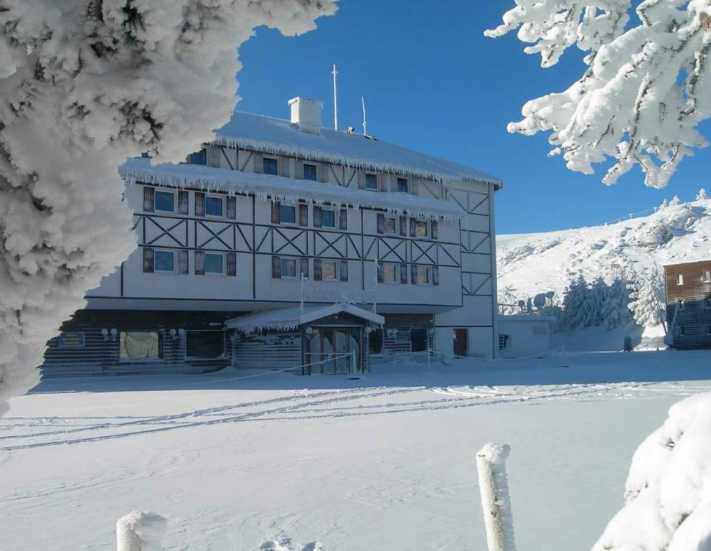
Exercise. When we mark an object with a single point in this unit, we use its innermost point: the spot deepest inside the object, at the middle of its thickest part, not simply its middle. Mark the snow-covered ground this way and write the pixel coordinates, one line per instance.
(386, 462)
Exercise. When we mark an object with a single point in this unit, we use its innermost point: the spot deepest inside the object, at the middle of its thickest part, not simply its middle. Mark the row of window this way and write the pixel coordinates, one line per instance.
(324, 216)
(309, 171)
(217, 263)
(682, 303)
(177, 262)
(682, 331)
(148, 345)
(705, 278)
(215, 205)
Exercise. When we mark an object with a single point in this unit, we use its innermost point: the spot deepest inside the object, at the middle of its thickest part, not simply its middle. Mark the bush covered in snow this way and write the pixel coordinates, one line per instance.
(645, 87)
(668, 489)
(86, 84)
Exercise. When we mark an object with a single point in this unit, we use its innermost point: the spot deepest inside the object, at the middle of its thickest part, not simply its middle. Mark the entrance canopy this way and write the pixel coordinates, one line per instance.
(288, 319)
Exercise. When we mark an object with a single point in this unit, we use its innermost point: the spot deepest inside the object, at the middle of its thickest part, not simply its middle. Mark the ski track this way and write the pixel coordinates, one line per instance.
(329, 404)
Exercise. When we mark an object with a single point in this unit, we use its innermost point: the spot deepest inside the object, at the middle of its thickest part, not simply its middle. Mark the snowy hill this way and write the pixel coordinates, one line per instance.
(633, 251)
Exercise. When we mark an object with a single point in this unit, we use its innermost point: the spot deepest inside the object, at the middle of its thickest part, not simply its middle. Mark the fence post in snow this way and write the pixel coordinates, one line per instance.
(139, 531)
(495, 498)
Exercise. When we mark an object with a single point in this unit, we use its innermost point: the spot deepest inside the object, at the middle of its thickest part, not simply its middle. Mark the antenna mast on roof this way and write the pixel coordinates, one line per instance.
(365, 117)
(334, 72)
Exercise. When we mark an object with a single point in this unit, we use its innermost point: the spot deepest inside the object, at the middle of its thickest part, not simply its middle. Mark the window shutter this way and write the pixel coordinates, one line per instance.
(317, 217)
(435, 229)
(199, 263)
(304, 267)
(148, 199)
(381, 222)
(183, 202)
(199, 204)
(258, 161)
(403, 273)
(343, 219)
(413, 227)
(213, 156)
(183, 262)
(344, 270)
(382, 182)
(276, 267)
(413, 274)
(317, 269)
(283, 166)
(148, 264)
(361, 179)
(275, 212)
(322, 172)
(435, 275)
(380, 272)
(303, 214)
(231, 264)
(232, 207)
(299, 167)
(403, 225)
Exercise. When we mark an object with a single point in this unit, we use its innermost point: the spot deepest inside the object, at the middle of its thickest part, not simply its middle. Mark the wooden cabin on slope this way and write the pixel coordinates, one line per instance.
(688, 292)
(282, 243)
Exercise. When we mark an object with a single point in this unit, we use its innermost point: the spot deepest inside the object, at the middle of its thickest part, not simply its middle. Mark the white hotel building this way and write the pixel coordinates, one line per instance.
(282, 243)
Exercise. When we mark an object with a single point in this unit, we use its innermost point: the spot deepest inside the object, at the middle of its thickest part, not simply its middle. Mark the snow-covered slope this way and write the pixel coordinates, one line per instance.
(634, 250)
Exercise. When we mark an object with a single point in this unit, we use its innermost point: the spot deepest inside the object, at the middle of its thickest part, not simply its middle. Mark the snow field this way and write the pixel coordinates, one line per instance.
(285, 462)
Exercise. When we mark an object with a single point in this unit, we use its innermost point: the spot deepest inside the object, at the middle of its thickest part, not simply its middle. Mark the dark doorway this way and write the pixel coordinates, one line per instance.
(205, 345)
(460, 342)
(418, 338)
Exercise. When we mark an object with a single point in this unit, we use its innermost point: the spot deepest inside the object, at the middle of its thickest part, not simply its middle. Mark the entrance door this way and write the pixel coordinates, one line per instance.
(461, 342)
(330, 349)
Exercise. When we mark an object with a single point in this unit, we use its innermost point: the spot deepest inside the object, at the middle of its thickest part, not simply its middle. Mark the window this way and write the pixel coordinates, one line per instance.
(421, 229)
(199, 158)
(328, 218)
(707, 276)
(165, 201)
(139, 346)
(270, 166)
(214, 206)
(402, 186)
(421, 275)
(389, 272)
(504, 342)
(680, 279)
(205, 345)
(214, 263)
(390, 224)
(164, 261)
(310, 172)
(71, 341)
(371, 182)
(288, 268)
(287, 214)
(329, 270)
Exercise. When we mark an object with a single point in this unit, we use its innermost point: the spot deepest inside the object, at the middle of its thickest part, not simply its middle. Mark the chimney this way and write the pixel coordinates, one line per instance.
(306, 113)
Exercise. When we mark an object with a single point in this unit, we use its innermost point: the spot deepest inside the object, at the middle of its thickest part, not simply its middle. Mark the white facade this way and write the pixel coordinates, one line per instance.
(524, 336)
(383, 227)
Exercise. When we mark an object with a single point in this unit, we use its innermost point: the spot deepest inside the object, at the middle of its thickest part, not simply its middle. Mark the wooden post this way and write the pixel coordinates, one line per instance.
(138, 531)
(495, 499)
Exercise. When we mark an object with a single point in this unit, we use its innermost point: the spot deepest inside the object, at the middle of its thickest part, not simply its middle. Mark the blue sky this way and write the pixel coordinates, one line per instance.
(435, 84)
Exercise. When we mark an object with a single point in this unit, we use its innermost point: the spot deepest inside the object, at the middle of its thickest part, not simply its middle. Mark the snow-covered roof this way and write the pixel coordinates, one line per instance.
(281, 188)
(287, 319)
(279, 136)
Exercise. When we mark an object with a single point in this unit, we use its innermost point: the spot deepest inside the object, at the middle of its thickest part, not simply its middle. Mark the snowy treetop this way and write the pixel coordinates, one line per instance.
(266, 186)
(279, 136)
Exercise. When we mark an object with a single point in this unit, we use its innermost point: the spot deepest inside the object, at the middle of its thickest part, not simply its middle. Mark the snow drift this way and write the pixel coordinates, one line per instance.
(85, 85)
(668, 490)
(603, 276)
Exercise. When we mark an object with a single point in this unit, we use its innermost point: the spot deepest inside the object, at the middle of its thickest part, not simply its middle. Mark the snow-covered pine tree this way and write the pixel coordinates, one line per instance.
(647, 297)
(86, 84)
(645, 88)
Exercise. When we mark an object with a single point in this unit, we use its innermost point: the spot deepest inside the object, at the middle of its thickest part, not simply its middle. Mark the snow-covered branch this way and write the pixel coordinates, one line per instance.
(85, 84)
(644, 92)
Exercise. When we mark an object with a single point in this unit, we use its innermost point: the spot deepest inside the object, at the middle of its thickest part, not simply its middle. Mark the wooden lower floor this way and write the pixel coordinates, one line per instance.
(98, 342)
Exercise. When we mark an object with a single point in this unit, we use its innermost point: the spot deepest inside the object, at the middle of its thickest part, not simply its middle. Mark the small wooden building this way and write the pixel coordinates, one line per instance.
(688, 292)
